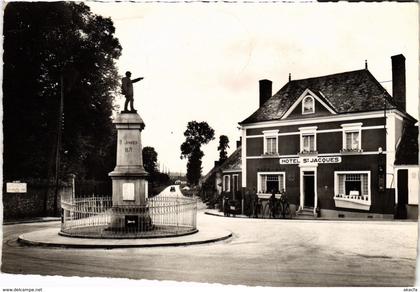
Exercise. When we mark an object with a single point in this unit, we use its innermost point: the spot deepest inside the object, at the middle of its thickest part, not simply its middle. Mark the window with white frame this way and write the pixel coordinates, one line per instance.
(226, 183)
(308, 139)
(352, 138)
(308, 142)
(269, 182)
(308, 105)
(271, 147)
(353, 184)
(270, 142)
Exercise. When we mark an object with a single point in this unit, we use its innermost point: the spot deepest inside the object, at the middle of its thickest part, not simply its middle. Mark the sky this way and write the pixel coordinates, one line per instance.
(203, 61)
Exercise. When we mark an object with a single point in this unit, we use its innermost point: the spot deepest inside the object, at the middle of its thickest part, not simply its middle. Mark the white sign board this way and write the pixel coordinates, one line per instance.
(128, 191)
(15, 187)
(311, 160)
(354, 193)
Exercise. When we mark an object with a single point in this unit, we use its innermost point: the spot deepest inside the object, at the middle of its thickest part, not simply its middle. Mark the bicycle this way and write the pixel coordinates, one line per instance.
(284, 207)
(273, 209)
(258, 209)
(270, 210)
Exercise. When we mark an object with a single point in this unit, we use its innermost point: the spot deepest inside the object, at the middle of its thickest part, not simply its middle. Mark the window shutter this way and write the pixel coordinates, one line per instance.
(264, 183)
(281, 182)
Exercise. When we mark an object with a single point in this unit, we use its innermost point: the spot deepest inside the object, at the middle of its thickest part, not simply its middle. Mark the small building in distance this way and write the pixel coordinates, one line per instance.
(230, 173)
(224, 178)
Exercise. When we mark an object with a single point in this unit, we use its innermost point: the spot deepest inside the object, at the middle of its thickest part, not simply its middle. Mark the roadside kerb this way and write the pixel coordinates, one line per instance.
(34, 220)
(220, 214)
(49, 237)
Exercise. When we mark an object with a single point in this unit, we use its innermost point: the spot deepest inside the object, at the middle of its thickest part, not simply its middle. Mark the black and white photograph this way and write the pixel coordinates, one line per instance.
(209, 145)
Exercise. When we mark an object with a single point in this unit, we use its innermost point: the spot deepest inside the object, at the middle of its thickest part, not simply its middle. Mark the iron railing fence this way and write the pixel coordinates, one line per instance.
(95, 217)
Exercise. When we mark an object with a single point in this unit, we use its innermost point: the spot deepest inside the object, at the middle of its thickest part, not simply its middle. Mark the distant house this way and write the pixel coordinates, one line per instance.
(338, 145)
(210, 188)
(225, 177)
(406, 171)
(230, 174)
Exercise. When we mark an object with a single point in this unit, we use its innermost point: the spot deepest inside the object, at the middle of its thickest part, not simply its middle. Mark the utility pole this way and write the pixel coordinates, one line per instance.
(59, 134)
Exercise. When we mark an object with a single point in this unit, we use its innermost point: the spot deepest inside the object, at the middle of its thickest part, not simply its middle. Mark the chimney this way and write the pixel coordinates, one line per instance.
(398, 80)
(239, 143)
(265, 90)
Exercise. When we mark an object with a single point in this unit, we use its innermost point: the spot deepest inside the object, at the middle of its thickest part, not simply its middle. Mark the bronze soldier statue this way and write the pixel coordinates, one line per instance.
(127, 90)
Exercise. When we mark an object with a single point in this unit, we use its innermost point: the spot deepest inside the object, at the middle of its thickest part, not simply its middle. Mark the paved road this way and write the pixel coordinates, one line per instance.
(176, 191)
(262, 252)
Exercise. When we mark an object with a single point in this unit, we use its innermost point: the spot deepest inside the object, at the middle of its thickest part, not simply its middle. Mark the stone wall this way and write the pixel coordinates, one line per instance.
(38, 201)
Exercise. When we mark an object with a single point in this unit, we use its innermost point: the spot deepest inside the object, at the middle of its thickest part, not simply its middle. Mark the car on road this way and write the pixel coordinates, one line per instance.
(172, 189)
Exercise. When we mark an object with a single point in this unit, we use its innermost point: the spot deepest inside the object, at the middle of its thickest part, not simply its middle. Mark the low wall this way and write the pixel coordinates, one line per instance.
(38, 201)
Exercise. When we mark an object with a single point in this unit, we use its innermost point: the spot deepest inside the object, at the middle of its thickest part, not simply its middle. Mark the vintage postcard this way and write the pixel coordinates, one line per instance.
(213, 143)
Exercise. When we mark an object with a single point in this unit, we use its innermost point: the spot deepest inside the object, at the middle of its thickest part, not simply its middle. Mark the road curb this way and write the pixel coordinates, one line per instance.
(318, 219)
(96, 244)
(38, 220)
(221, 215)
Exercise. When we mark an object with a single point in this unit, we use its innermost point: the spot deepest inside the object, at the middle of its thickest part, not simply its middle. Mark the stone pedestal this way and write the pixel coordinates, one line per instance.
(129, 183)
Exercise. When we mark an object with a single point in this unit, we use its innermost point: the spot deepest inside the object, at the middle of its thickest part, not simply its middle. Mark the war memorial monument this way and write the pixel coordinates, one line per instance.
(129, 213)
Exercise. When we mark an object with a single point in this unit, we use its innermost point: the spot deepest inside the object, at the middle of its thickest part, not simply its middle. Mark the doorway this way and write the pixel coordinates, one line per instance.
(402, 185)
(235, 186)
(309, 188)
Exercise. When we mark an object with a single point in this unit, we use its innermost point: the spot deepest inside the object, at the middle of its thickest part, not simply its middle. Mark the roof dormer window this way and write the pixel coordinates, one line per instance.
(308, 105)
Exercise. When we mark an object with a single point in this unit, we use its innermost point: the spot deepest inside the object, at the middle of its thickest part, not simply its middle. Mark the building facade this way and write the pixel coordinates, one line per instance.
(224, 178)
(230, 174)
(331, 144)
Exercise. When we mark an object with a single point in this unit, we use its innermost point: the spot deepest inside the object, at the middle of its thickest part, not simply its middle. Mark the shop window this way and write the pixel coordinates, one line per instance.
(226, 183)
(353, 185)
(269, 182)
(308, 105)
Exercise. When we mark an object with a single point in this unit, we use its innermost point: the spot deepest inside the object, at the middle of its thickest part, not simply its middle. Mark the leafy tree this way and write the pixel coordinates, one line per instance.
(223, 144)
(156, 179)
(161, 179)
(196, 135)
(150, 159)
(49, 48)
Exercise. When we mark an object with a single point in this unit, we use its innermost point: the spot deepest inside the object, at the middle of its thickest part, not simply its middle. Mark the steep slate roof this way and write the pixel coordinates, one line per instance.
(354, 91)
(234, 161)
(210, 174)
